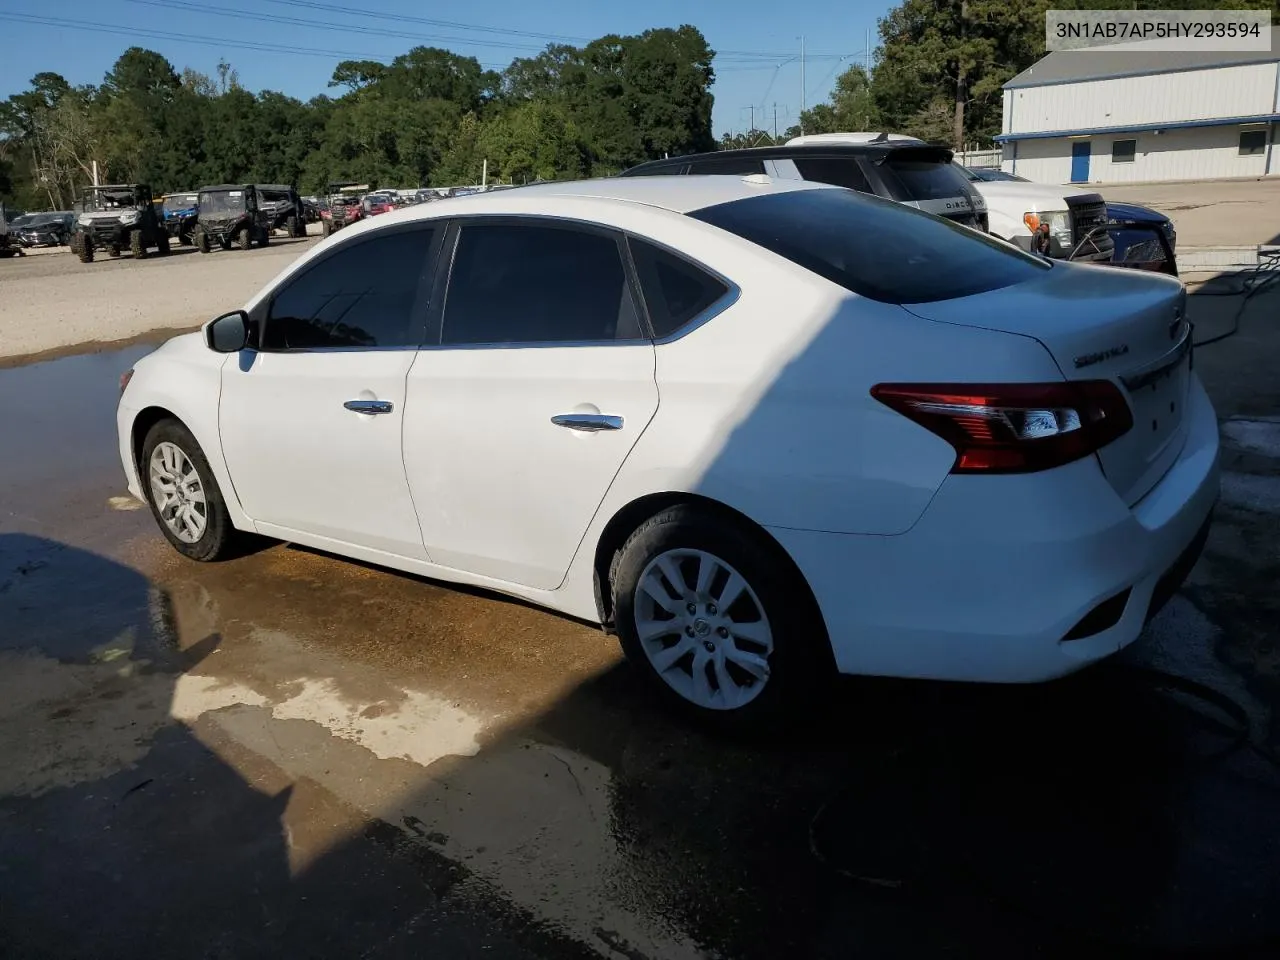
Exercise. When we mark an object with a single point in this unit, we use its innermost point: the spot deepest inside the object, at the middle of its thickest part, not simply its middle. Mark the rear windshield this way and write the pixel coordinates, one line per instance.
(924, 179)
(873, 247)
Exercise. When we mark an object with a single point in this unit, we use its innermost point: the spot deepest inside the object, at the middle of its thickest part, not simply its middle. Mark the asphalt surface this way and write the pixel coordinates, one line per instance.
(293, 755)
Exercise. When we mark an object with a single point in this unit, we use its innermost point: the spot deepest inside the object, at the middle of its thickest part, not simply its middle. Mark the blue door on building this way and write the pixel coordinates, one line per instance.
(1080, 150)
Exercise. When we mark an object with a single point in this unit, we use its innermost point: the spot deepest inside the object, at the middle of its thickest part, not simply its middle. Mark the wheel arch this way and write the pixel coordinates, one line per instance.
(143, 421)
(629, 517)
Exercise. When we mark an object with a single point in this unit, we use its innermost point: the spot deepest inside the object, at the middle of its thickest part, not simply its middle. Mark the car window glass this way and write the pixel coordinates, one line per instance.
(923, 179)
(729, 166)
(837, 171)
(528, 283)
(675, 290)
(363, 295)
(874, 247)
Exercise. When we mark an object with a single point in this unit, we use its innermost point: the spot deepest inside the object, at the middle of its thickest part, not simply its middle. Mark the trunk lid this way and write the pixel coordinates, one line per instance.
(1099, 324)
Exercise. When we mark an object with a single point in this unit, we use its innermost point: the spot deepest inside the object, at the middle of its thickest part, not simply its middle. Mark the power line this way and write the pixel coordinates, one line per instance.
(238, 14)
(427, 21)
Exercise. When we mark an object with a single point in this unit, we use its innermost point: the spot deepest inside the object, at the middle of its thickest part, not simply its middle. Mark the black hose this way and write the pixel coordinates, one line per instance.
(1248, 287)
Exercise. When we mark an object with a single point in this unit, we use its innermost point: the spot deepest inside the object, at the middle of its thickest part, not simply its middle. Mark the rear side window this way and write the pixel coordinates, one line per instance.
(728, 166)
(675, 290)
(530, 283)
(923, 179)
(361, 296)
(837, 171)
(874, 247)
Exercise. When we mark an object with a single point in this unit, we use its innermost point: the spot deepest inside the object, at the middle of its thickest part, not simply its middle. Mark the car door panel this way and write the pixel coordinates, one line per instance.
(502, 490)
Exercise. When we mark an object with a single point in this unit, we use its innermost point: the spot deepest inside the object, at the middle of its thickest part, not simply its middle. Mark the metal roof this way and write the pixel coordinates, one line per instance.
(1074, 66)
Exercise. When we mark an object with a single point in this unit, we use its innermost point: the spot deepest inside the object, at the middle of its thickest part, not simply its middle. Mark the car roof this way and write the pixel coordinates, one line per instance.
(833, 148)
(225, 186)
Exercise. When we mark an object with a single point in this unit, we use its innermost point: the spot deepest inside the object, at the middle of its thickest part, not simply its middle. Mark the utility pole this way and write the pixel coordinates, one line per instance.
(752, 128)
(802, 85)
(775, 122)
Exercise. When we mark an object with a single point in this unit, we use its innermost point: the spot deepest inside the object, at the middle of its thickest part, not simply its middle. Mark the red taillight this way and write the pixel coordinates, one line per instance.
(1014, 427)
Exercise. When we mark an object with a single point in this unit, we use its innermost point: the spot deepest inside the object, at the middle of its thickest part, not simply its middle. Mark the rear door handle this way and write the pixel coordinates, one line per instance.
(587, 422)
(369, 406)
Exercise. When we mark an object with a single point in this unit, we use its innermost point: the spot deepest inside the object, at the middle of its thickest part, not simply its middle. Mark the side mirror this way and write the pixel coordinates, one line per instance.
(228, 333)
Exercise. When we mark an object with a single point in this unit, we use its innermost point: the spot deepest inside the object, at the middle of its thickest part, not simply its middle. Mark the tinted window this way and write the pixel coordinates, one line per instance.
(1123, 151)
(675, 291)
(920, 178)
(658, 170)
(528, 283)
(1253, 142)
(728, 166)
(837, 171)
(361, 296)
(873, 247)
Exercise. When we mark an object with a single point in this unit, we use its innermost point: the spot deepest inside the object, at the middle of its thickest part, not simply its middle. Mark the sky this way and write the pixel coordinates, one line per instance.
(758, 41)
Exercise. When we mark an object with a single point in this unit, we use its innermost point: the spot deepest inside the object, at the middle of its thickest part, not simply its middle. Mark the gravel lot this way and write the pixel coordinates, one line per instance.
(49, 300)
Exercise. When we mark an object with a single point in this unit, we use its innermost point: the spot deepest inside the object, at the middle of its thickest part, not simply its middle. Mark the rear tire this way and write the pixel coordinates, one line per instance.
(113, 252)
(291, 227)
(244, 238)
(326, 228)
(162, 244)
(137, 245)
(183, 494)
(745, 661)
(265, 239)
(84, 249)
(202, 241)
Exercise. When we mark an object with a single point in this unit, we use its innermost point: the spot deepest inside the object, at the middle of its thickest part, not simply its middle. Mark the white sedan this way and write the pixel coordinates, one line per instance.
(767, 431)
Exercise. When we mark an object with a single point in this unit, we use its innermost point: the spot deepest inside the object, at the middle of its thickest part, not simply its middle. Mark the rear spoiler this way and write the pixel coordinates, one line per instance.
(916, 152)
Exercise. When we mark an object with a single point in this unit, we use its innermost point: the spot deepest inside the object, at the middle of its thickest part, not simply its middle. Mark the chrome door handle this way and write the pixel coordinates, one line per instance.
(370, 406)
(587, 422)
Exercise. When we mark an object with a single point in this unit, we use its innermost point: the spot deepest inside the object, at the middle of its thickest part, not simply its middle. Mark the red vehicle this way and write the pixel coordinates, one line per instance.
(344, 207)
(376, 203)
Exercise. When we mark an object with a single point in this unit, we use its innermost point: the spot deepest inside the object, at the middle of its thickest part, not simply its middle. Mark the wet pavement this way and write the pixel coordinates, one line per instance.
(289, 754)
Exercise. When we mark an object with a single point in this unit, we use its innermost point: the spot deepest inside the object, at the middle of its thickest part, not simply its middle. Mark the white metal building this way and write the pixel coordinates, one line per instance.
(1089, 116)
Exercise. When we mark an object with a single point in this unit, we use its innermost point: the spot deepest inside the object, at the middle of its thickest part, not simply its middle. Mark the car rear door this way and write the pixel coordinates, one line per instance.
(540, 382)
(311, 423)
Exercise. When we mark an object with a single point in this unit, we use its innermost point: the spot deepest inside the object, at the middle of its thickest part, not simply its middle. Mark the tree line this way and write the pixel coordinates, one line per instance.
(432, 117)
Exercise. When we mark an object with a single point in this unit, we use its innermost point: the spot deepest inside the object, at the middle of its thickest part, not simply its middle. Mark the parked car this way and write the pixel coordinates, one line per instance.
(9, 246)
(1143, 238)
(180, 213)
(894, 167)
(46, 229)
(229, 213)
(994, 175)
(283, 207)
(1050, 220)
(884, 445)
(376, 203)
(114, 217)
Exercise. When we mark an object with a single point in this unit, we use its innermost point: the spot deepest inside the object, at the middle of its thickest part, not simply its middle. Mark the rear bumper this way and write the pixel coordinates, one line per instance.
(997, 572)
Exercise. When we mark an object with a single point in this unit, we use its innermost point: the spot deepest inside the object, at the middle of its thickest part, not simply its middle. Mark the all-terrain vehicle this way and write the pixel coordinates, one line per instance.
(229, 212)
(344, 207)
(179, 212)
(8, 243)
(284, 208)
(115, 217)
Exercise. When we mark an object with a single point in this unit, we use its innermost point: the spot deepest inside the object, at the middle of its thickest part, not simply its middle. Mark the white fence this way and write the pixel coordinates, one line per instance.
(979, 158)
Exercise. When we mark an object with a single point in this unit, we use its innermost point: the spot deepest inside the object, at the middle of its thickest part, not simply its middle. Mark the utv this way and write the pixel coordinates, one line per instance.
(8, 243)
(283, 207)
(116, 216)
(344, 207)
(230, 212)
(179, 213)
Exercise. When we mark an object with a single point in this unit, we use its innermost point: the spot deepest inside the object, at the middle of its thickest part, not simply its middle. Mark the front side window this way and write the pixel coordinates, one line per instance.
(535, 283)
(874, 247)
(1123, 151)
(363, 295)
(837, 171)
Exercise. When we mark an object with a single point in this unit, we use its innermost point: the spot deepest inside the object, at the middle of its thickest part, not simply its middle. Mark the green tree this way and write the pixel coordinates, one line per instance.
(851, 106)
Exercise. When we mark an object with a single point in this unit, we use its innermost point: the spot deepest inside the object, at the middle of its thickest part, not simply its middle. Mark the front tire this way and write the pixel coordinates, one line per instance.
(717, 619)
(291, 227)
(183, 494)
(84, 249)
(162, 244)
(137, 245)
(244, 238)
(202, 241)
(325, 228)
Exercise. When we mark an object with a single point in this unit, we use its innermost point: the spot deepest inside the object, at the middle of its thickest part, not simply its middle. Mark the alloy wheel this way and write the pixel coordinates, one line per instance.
(703, 629)
(178, 493)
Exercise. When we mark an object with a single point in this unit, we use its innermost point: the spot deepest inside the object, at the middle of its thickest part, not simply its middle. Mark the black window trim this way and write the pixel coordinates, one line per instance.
(708, 313)
(1132, 158)
(435, 320)
(1253, 151)
(422, 300)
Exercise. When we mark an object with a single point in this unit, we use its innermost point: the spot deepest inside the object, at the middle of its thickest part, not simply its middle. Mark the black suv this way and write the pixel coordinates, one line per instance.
(229, 212)
(908, 171)
(116, 216)
(283, 207)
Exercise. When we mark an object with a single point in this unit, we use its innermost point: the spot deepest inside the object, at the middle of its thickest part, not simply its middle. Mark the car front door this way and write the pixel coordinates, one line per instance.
(539, 384)
(311, 422)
